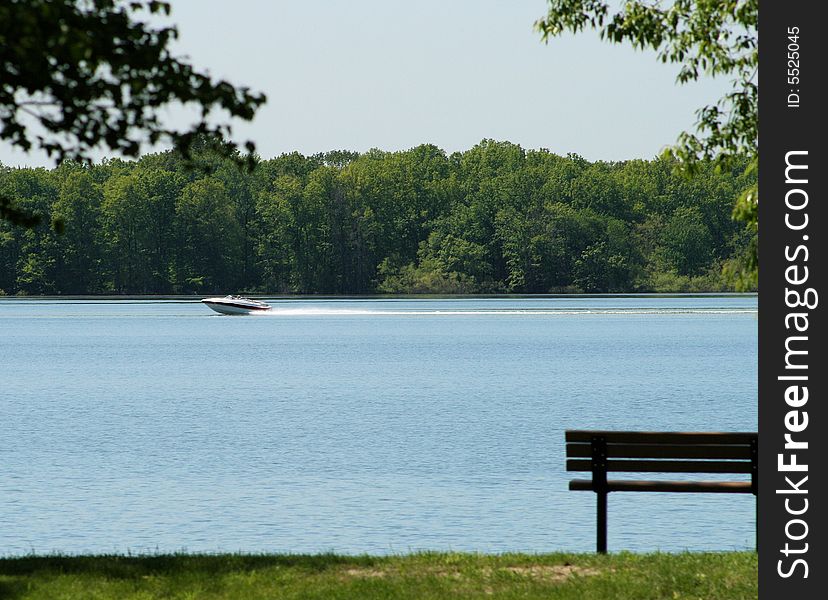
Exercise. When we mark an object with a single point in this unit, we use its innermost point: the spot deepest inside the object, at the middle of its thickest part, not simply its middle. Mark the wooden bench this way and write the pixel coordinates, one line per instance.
(602, 452)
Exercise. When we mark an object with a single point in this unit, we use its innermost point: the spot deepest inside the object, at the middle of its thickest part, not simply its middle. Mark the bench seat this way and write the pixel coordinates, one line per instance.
(627, 485)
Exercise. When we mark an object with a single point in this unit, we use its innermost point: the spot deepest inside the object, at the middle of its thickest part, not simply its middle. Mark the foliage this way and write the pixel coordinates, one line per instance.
(84, 74)
(495, 218)
(711, 37)
(428, 277)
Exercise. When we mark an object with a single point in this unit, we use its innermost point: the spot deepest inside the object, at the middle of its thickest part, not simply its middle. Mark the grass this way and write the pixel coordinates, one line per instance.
(707, 576)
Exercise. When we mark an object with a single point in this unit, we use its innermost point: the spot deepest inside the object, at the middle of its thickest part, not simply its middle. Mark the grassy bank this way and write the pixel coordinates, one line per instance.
(708, 576)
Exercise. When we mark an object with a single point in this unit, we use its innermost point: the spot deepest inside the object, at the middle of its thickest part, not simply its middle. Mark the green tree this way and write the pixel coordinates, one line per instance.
(612, 263)
(597, 188)
(706, 37)
(428, 277)
(32, 255)
(79, 207)
(454, 253)
(276, 243)
(240, 188)
(209, 256)
(82, 74)
(495, 218)
(138, 232)
(125, 218)
(687, 242)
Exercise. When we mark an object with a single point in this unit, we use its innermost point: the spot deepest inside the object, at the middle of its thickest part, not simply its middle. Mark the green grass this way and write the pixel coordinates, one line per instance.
(707, 576)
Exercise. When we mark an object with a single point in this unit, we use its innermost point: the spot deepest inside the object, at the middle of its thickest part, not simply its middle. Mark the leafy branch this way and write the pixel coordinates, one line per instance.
(81, 75)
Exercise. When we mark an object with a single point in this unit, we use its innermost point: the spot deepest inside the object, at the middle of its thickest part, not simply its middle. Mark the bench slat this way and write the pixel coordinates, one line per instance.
(722, 487)
(662, 437)
(664, 466)
(584, 450)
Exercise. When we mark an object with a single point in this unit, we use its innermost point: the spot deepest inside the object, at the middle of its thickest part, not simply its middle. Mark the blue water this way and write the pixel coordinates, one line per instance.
(378, 426)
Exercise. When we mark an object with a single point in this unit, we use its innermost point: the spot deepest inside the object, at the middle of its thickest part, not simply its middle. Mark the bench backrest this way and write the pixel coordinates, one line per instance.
(662, 452)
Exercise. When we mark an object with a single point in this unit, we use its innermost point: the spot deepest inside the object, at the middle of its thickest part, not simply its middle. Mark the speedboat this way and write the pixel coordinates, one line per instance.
(236, 305)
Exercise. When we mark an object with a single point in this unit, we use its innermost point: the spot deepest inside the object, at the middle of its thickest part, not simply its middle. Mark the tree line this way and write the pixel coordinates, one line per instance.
(493, 219)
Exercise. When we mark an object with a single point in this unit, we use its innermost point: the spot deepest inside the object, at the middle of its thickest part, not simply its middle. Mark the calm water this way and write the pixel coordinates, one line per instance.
(358, 425)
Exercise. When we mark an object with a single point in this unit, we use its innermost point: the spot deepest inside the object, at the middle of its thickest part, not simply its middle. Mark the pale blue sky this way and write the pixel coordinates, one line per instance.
(393, 74)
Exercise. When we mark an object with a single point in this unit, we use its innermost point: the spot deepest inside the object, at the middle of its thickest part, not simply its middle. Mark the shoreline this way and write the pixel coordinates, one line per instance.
(193, 297)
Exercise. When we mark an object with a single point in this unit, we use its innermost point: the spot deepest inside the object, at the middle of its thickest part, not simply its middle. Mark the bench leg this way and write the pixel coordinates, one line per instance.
(756, 542)
(602, 523)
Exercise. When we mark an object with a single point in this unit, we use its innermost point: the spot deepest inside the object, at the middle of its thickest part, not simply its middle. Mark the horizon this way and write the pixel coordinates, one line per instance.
(448, 153)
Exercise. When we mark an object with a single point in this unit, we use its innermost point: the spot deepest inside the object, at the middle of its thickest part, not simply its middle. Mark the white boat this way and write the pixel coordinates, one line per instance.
(236, 305)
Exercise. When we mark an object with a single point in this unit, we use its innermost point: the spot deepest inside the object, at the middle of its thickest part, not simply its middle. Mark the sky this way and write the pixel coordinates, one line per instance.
(393, 74)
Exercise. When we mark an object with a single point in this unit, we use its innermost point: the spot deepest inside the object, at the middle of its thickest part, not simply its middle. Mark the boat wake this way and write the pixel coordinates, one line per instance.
(275, 311)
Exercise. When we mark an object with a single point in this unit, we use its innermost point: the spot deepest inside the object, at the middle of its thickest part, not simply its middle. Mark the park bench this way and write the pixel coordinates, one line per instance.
(602, 452)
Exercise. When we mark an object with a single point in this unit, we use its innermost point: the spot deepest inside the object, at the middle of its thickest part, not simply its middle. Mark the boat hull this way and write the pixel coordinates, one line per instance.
(227, 307)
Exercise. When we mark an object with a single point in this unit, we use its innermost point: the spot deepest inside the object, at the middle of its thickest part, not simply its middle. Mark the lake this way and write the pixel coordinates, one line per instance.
(379, 426)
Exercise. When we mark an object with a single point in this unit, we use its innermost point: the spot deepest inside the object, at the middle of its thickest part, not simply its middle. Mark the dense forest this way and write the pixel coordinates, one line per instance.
(494, 219)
